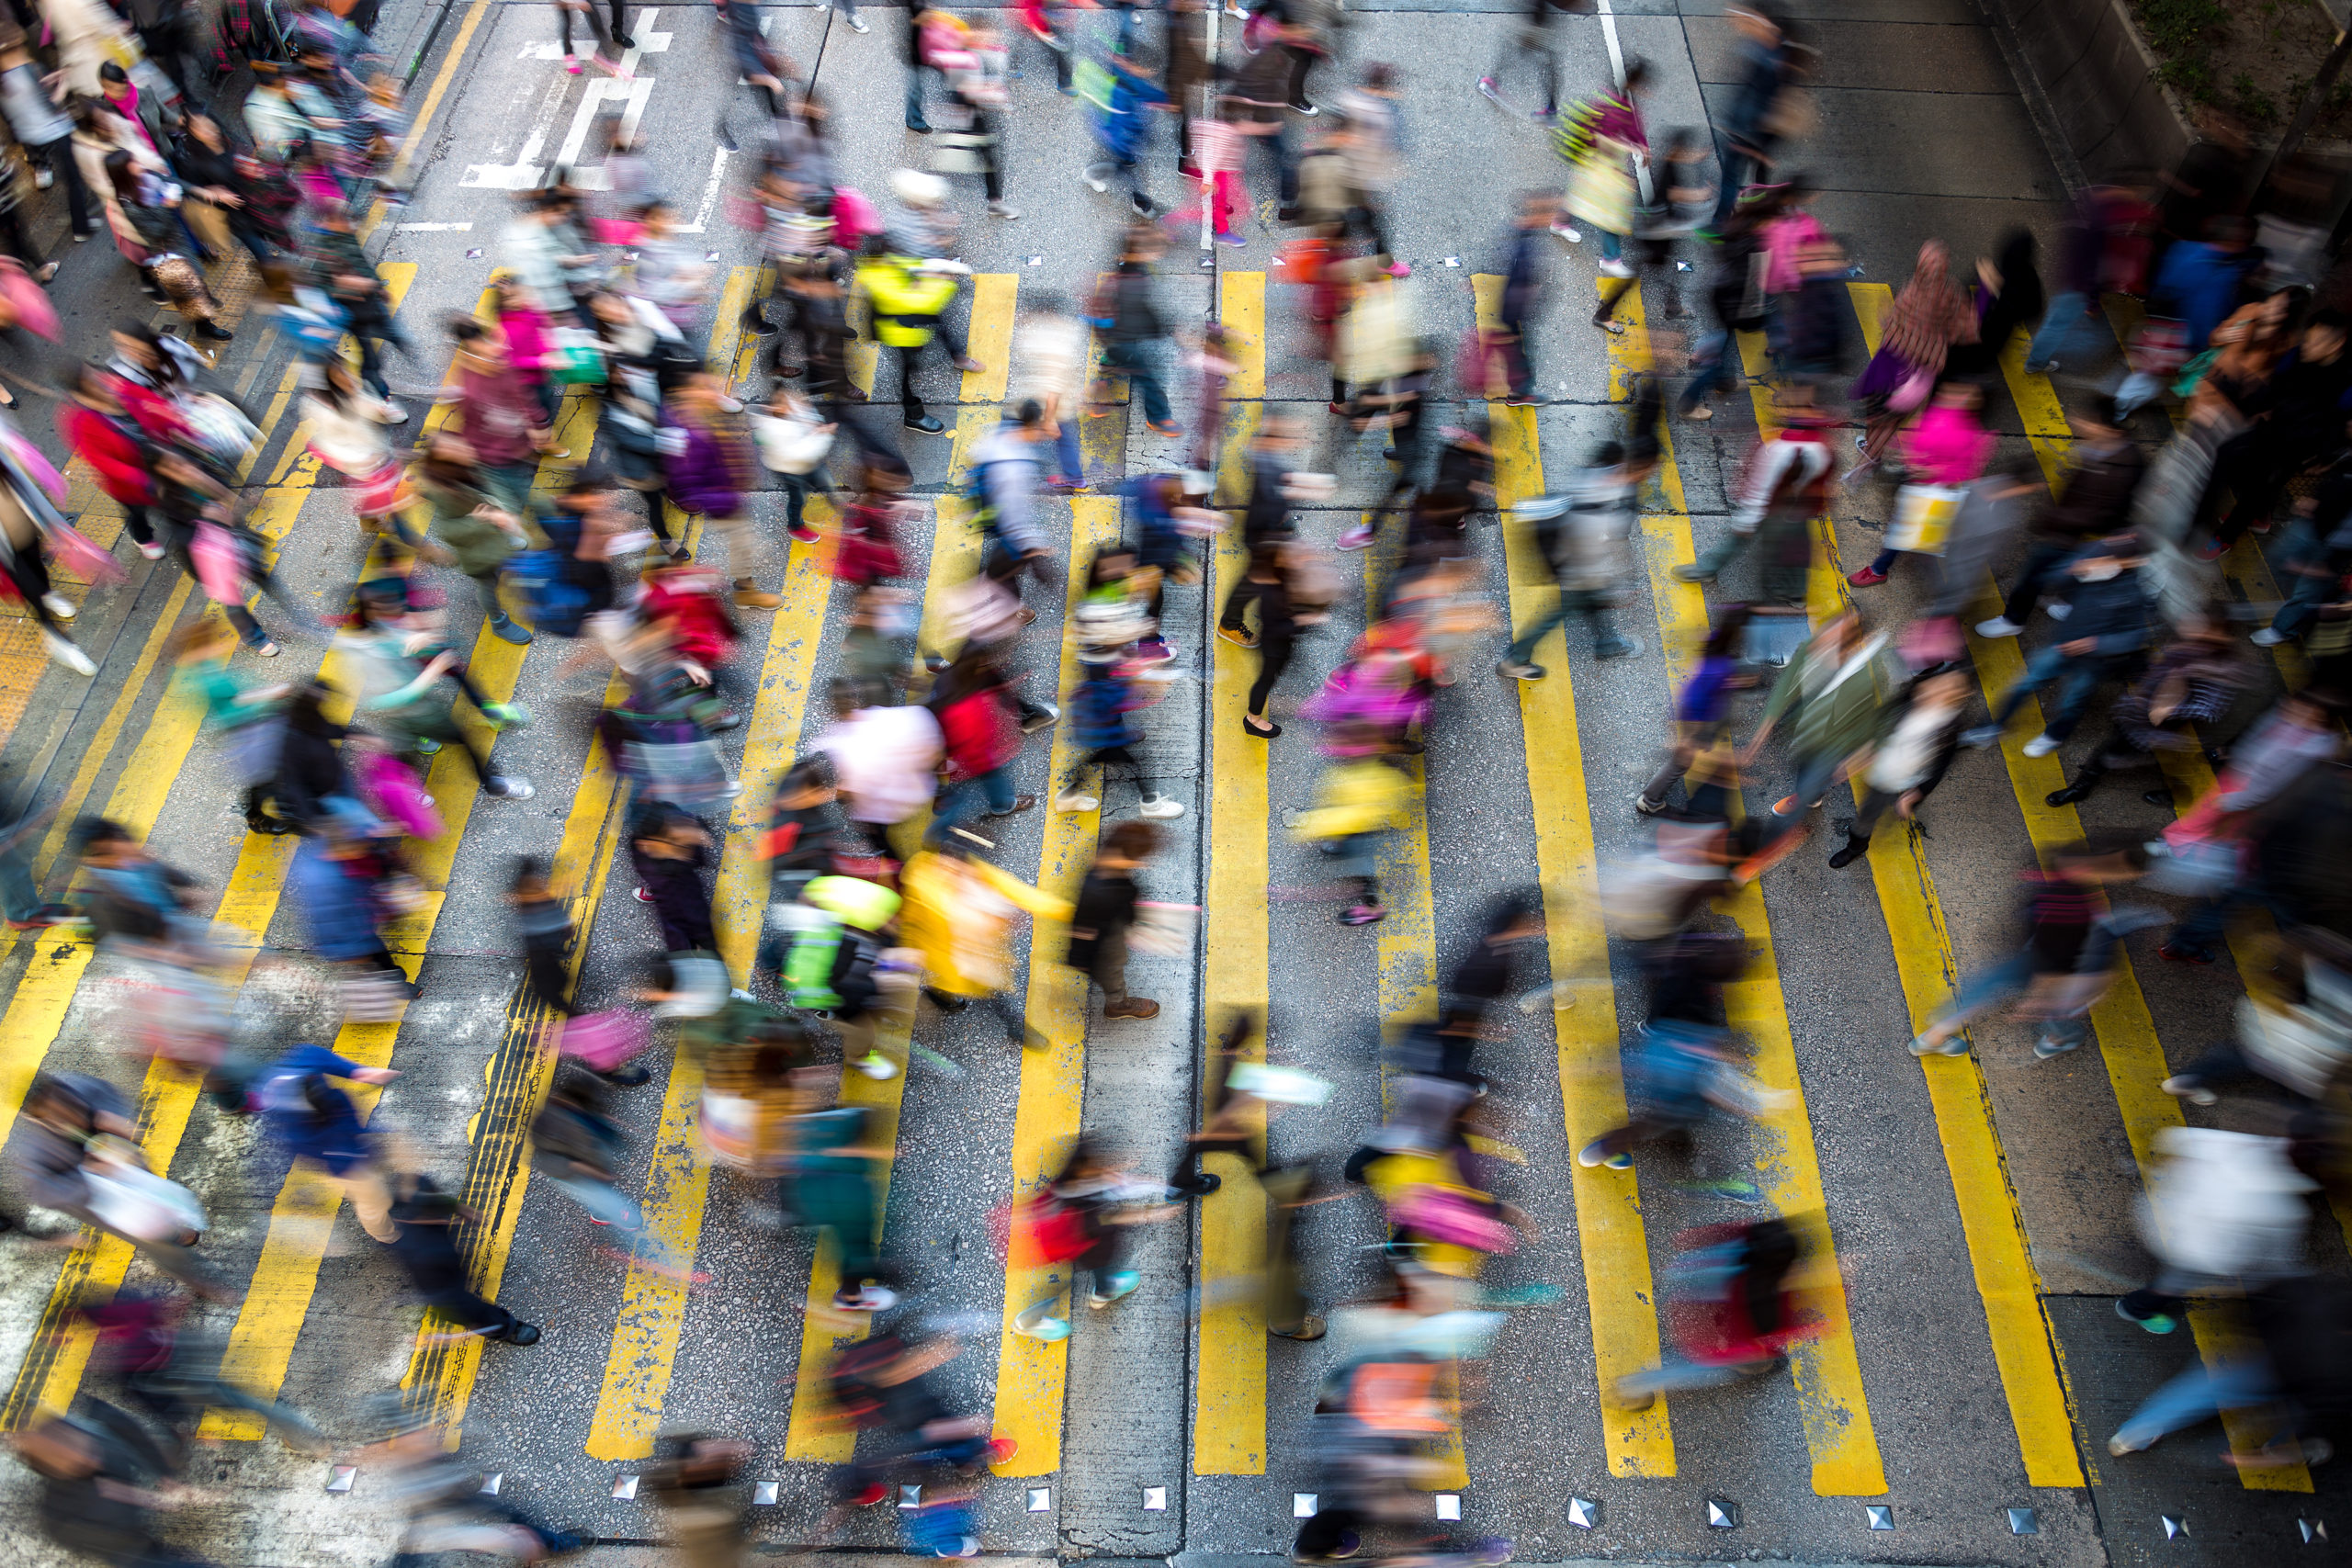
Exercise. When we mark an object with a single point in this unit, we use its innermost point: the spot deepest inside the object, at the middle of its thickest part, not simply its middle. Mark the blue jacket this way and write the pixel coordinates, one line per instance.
(339, 907)
(334, 1137)
(2114, 614)
(2202, 284)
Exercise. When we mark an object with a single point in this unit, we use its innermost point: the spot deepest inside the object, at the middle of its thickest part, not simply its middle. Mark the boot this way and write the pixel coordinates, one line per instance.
(748, 596)
(1132, 1007)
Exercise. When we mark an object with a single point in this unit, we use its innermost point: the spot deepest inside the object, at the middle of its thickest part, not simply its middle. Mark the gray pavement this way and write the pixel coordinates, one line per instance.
(1922, 133)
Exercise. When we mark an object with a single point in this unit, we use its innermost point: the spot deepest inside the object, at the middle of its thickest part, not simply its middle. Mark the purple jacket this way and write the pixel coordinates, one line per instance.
(700, 470)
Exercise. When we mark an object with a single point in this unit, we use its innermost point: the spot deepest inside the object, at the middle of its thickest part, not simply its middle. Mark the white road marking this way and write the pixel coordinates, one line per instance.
(709, 194)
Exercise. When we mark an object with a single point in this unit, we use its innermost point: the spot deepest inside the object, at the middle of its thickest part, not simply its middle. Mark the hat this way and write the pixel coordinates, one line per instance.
(918, 189)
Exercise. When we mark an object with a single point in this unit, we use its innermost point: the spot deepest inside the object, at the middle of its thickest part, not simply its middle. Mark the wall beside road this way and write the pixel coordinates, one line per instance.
(2096, 82)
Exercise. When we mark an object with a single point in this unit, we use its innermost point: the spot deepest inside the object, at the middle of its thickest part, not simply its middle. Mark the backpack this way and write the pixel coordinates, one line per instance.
(830, 967)
(557, 603)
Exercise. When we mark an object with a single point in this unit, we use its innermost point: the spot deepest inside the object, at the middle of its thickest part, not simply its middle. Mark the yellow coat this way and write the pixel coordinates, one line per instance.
(1359, 796)
(959, 914)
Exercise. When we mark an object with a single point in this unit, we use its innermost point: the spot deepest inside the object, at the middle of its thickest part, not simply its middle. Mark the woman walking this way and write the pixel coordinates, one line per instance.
(1928, 318)
(1267, 585)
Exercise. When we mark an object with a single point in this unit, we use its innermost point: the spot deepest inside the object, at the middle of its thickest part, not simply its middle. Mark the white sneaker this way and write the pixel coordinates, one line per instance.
(1568, 232)
(2040, 746)
(2183, 1088)
(1615, 270)
(58, 605)
(1999, 626)
(2269, 637)
(2059, 610)
(1160, 807)
(394, 413)
(1001, 209)
(152, 550)
(67, 654)
(878, 1066)
(1075, 802)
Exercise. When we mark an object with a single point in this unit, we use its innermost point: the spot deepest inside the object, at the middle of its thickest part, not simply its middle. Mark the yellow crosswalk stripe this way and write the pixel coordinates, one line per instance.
(1031, 1375)
(953, 558)
(1229, 1387)
(249, 898)
(2129, 1045)
(1620, 1295)
(1837, 1427)
(2007, 1282)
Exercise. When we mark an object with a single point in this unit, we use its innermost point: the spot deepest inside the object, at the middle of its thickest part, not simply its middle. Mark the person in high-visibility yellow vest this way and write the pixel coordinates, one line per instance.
(907, 303)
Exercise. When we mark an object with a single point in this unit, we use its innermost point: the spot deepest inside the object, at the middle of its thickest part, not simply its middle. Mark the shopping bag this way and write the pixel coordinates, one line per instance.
(605, 1040)
(29, 300)
(74, 551)
(1923, 518)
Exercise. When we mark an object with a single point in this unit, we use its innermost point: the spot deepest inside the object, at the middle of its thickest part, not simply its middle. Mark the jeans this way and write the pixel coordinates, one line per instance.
(59, 155)
(963, 802)
(1069, 462)
(1735, 169)
(2059, 326)
(1594, 607)
(1138, 364)
(1988, 987)
(2198, 1393)
(2311, 590)
(1612, 246)
(1676, 1373)
(1715, 368)
(606, 1203)
(2076, 679)
(796, 488)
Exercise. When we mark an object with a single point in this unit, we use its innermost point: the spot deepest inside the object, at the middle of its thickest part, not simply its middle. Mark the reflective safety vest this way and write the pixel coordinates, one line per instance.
(906, 303)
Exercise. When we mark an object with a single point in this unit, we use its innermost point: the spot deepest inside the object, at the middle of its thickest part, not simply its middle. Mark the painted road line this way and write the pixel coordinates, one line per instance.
(277, 1299)
(954, 547)
(1837, 1427)
(1620, 1296)
(1229, 1379)
(2129, 1046)
(2023, 1343)
(1031, 1375)
(812, 1434)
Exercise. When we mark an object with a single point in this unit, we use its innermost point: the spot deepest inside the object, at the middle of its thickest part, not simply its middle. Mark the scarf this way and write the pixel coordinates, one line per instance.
(1929, 315)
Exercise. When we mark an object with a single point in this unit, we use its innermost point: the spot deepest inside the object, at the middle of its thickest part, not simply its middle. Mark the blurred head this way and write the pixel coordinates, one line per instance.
(1128, 845)
(2101, 862)
(2322, 337)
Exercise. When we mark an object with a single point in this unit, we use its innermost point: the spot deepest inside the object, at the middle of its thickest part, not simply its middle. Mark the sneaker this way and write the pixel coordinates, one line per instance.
(2119, 1448)
(1307, 109)
(1999, 626)
(1698, 415)
(1160, 809)
(1052, 1330)
(748, 597)
(870, 1496)
(1046, 715)
(1869, 576)
(57, 604)
(2058, 609)
(1309, 1328)
(2050, 1045)
(265, 648)
(1953, 1046)
(2190, 1091)
(2212, 549)
(2269, 636)
(2154, 1323)
(854, 22)
(804, 534)
(66, 653)
(510, 786)
(152, 550)
(2040, 746)
(43, 178)
(1153, 650)
(1122, 1283)
(878, 1066)
(1981, 736)
(1165, 427)
(756, 321)
(1690, 571)
(1516, 672)
(1237, 637)
(1645, 806)
(1568, 231)
(1618, 648)
(1076, 803)
(969, 1545)
(1590, 1156)
(1614, 268)
(1357, 537)
(571, 64)
(1095, 182)
(928, 426)
(872, 1298)
(393, 414)
(508, 629)
(2181, 952)
(999, 209)
(1364, 915)
(1486, 90)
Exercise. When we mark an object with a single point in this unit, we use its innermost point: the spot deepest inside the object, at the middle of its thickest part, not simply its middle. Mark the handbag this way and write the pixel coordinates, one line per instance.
(29, 302)
(577, 360)
(960, 152)
(79, 555)
(210, 225)
(605, 1040)
(1600, 188)
(395, 792)
(1454, 1218)
(1923, 518)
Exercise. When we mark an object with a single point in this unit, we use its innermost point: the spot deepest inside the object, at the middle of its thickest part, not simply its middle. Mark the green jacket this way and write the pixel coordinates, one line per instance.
(479, 546)
(1835, 718)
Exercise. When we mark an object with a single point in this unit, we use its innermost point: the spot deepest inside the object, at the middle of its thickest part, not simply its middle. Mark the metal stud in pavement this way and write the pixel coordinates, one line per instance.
(624, 1489)
(911, 1496)
(2174, 1528)
(1722, 1514)
(1154, 1499)
(1041, 1499)
(340, 1478)
(1585, 1513)
(1302, 1505)
(2314, 1530)
(1880, 1516)
(2022, 1522)
(763, 1494)
(1449, 1506)
(494, 1484)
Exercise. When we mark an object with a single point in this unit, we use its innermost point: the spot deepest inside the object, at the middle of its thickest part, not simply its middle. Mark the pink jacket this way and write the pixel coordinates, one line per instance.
(526, 341)
(1948, 446)
(1784, 237)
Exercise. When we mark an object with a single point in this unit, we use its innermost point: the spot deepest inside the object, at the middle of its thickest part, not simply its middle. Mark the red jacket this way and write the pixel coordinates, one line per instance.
(980, 735)
(119, 460)
(698, 622)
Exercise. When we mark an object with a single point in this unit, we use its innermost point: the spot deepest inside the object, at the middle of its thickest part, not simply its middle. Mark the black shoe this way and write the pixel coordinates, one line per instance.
(756, 321)
(1255, 733)
(1854, 849)
(211, 333)
(622, 42)
(629, 1078)
(927, 425)
(1200, 1186)
(2156, 796)
(945, 1002)
(521, 1334)
(2071, 794)
(918, 128)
